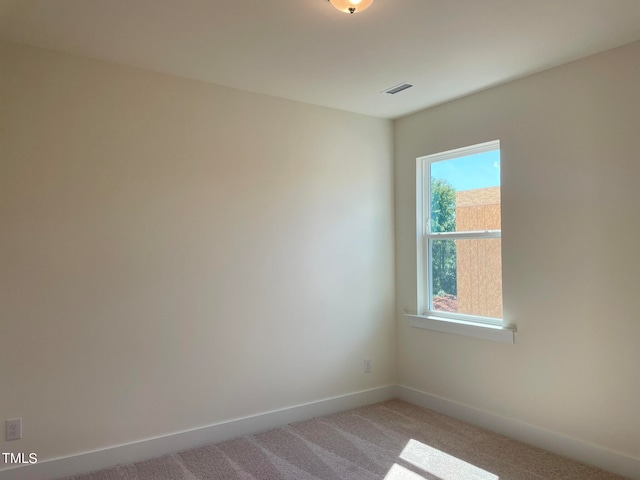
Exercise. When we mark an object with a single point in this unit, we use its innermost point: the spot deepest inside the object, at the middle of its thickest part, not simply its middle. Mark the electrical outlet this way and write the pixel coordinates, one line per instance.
(14, 429)
(367, 365)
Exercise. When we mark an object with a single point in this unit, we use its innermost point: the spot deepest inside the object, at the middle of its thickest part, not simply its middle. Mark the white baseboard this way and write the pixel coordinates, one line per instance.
(153, 447)
(582, 451)
(598, 456)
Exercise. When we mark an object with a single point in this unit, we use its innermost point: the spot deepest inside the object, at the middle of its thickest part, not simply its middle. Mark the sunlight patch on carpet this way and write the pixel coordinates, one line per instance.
(440, 464)
(398, 472)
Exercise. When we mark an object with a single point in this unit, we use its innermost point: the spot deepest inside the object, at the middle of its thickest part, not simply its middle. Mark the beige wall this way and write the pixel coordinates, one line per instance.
(570, 228)
(175, 254)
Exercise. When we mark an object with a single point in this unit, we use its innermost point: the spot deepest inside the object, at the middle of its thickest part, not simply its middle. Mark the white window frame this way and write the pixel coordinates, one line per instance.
(473, 325)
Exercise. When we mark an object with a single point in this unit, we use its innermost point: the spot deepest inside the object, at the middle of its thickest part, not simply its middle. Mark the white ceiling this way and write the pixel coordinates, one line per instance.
(306, 50)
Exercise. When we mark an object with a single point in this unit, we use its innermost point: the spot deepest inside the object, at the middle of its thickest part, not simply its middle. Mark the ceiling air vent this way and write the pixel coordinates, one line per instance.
(398, 88)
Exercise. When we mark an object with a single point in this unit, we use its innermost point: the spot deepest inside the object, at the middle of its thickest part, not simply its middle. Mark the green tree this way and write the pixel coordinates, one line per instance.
(443, 252)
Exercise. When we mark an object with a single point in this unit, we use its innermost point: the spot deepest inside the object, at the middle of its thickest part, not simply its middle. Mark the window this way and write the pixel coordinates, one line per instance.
(459, 240)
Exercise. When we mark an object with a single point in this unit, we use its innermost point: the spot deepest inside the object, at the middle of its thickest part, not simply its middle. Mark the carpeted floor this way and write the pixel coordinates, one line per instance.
(393, 440)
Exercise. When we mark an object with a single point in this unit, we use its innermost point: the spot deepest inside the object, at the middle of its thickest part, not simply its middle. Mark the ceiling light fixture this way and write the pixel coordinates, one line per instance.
(351, 6)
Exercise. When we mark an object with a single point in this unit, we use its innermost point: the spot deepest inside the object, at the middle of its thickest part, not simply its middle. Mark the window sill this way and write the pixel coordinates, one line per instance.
(477, 330)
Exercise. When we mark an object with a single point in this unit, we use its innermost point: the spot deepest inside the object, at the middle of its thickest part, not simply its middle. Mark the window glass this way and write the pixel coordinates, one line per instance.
(467, 276)
(462, 234)
(465, 193)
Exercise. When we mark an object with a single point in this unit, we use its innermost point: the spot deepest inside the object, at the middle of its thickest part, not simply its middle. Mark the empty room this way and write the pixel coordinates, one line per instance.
(319, 239)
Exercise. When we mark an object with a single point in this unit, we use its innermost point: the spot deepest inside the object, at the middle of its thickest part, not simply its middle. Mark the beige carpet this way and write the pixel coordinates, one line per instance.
(393, 440)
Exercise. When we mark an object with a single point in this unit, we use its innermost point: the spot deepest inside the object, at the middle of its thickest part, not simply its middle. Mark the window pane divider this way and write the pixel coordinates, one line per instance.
(465, 235)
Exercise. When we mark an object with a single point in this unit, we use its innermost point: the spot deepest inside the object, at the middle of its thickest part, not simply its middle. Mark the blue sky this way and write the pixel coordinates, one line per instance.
(473, 171)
